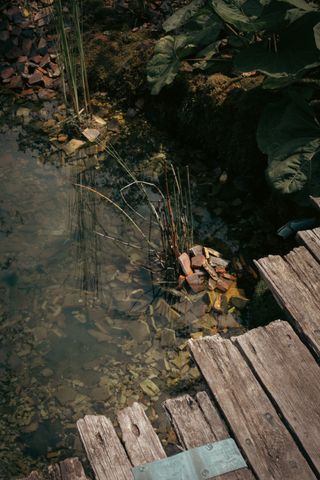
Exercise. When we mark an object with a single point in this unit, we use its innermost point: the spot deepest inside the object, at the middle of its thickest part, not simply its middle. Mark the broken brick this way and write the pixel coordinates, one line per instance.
(185, 264)
(198, 261)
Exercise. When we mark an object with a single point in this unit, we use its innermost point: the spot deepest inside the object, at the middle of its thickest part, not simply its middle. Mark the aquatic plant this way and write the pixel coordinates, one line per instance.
(280, 39)
(71, 55)
(172, 214)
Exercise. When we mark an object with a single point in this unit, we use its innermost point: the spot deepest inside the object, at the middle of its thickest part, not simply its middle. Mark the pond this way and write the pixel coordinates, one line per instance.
(83, 316)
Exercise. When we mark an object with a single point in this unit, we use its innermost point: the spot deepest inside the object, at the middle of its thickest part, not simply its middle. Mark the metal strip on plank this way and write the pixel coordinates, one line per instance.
(201, 463)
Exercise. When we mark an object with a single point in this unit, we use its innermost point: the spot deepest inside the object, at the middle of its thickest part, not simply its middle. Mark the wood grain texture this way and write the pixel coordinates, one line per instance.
(197, 422)
(292, 377)
(106, 455)
(298, 299)
(306, 267)
(254, 422)
(193, 428)
(316, 201)
(69, 469)
(141, 442)
(311, 239)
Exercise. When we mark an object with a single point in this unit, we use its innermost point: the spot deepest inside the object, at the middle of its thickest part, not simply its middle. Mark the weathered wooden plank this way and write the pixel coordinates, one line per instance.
(292, 378)
(294, 296)
(104, 450)
(316, 201)
(141, 442)
(197, 422)
(311, 239)
(255, 424)
(193, 428)
(306, 267)
(33, 476)
(69, 469)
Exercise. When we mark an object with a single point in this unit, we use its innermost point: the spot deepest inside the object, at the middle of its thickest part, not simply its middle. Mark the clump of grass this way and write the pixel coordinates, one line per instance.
(71, 55)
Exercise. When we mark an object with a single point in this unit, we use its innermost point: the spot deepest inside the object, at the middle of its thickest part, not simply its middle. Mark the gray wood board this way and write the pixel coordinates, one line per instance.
(295, 294)
(141, 442)
(253, 420)
(107, 456)
(292, 378)
(311, 239)
(197, 422)
(69, 469)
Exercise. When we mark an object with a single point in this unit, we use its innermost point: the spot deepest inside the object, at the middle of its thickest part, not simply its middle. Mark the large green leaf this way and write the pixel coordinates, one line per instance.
(290, 135)
(204, 18)
(164, 65)
(286, 125)
(181, 16)
(295, 173)
(295, 51)
(170, 50)
(252, 16)
(316, 31)
(301, 4)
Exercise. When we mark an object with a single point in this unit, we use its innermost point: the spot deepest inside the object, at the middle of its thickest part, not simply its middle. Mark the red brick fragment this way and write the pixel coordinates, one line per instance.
(185, 264)
(181, 281)
(7, 73)
(196, 282)
(196, 250)
(228, 276)
(212, 284)
(222, 285)
(46, 94)
(220, 269)
(16, 82)
(198, 261)
(36, 77)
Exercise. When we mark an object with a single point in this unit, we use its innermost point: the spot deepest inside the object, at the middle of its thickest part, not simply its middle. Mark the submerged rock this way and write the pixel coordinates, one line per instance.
(168, 337)
(65, 394)
(149, 388)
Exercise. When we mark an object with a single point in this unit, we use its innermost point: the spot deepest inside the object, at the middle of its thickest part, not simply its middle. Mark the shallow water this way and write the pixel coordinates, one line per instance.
(67, 297)
(81, 317)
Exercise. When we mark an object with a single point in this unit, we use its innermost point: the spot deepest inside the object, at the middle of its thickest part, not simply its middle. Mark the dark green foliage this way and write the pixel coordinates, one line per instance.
(280, 39)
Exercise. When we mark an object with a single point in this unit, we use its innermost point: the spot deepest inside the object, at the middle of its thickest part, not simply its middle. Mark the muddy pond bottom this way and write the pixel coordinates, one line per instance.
(84, 328)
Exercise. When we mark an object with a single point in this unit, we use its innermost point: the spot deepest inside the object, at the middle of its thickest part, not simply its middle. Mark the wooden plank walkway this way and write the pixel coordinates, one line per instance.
(265, 440)
(265, 388)
(295, 282)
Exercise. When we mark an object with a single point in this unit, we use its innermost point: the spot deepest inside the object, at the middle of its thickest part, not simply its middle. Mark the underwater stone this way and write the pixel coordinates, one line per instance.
(239, 302)
(227, 321)
(65, 394)
(168, 337)
(149, 388)
(139, 330)
(100, 394)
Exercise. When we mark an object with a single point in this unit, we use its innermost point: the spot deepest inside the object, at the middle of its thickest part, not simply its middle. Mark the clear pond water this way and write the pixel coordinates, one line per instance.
(81, 319)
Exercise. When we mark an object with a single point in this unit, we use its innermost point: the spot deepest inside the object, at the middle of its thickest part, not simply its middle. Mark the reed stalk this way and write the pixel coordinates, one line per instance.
(71, 55)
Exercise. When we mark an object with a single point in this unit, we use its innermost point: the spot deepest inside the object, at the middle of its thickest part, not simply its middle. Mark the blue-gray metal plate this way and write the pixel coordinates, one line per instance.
(200, 463)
